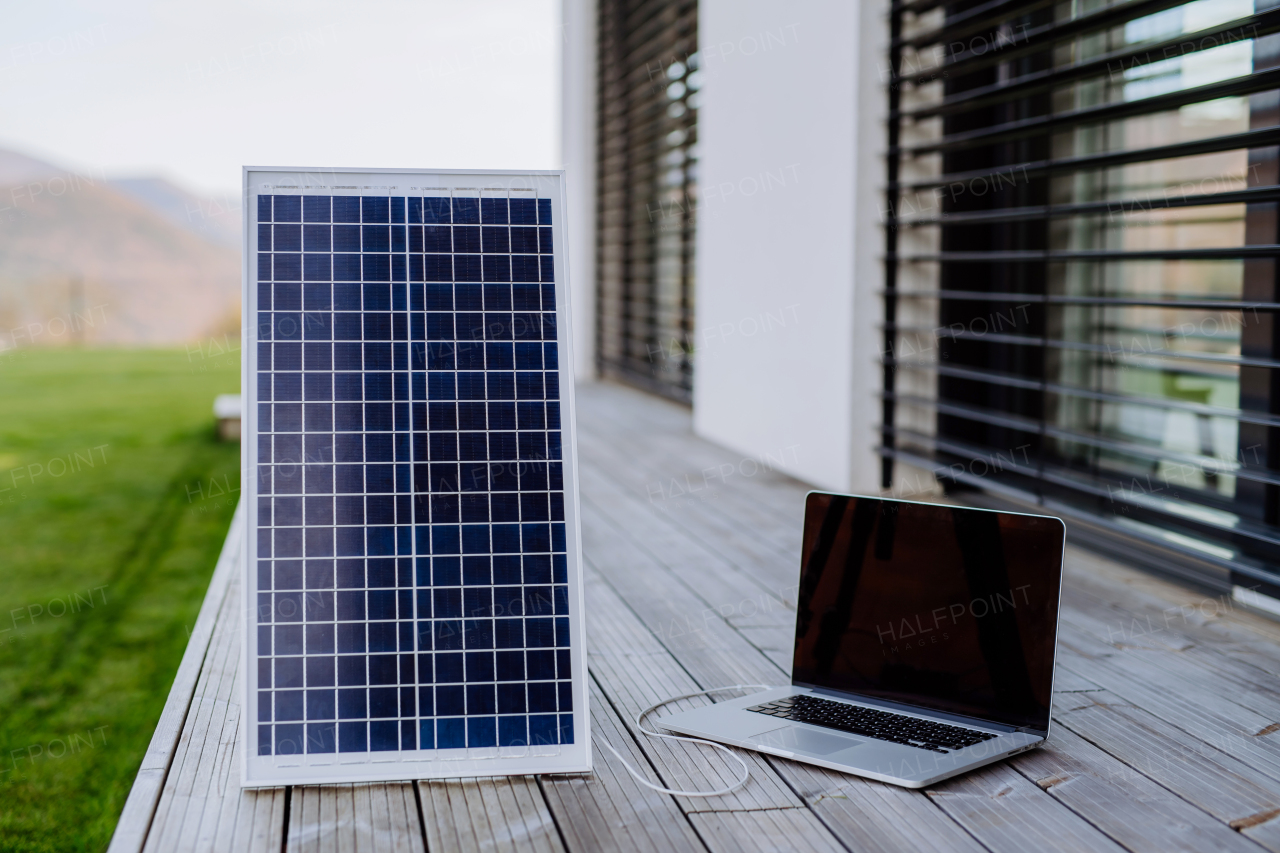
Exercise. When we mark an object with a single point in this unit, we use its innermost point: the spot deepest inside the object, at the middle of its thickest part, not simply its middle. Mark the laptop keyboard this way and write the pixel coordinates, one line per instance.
(868, 722)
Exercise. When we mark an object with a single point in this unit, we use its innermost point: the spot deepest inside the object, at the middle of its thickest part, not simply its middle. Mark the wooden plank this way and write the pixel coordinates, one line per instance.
(1055, 815)
(233, 809)
(1065, 681)
(768, 505)
(1007, 812)
(635, 670)
(364, 817)
(438, 820)
(640, 585)
(702, 494)
(317, 809)
(202, 807)
(774, 642)
(711, 487)
(1167, 642)
(1202, 702)
(1212, 621)
(1172, 670)
(139, 809)
(748, 587)
(872, 816)
(468, 815)
(202, 789)
(720, 579)
(178, 809)
(608, 809)
(258, 821)
(525, 815)
(403, 822)
(762, 498)
(771, 831)
(1137, 758)
(1054, 818)
(1205, 776)
(1127, 806)
(688, 592)
(342, 804)
(759, 516)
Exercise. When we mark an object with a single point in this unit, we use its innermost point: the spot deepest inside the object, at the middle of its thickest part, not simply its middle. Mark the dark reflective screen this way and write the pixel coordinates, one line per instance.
(946, 607)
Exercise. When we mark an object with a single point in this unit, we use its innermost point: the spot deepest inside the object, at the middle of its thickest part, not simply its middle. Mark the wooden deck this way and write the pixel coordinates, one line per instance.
(1167, 711)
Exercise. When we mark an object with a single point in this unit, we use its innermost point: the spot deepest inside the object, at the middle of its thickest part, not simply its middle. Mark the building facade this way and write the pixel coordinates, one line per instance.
(1021, 253)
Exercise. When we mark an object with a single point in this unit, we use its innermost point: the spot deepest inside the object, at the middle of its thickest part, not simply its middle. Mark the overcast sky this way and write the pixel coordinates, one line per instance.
(193, 91)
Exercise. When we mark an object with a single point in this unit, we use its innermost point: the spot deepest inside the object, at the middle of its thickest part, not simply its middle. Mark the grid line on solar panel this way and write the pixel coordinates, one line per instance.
(412, 576)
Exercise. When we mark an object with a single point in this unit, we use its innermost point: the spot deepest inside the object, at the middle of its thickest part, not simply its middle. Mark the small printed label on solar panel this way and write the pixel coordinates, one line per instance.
(413, 584)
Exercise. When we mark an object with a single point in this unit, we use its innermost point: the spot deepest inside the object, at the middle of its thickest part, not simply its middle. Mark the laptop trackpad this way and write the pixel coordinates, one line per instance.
(797, 739)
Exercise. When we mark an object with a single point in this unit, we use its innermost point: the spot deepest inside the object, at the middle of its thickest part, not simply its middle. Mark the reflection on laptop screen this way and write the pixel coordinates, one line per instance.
(949, 608)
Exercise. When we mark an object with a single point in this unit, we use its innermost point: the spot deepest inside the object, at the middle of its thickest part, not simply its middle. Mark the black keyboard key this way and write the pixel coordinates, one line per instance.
(882, 725)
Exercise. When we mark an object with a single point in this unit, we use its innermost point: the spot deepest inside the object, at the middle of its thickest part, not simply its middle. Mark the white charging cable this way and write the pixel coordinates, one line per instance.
(746, 771)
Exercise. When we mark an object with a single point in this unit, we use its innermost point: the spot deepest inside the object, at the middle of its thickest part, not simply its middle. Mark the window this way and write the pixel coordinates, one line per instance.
(646, 171)
(1081, 274)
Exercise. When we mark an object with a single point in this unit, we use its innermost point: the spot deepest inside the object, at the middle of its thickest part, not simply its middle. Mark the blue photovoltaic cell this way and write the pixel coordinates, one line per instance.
(411, 568)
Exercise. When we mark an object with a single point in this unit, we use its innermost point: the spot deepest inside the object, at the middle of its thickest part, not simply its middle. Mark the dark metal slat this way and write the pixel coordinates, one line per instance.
(1131, 56)
(1011, 174)
(1155, 301)
(1269, 250)
(1257, 82)
(993, 377)
(1043, 37)
(1117, 493)
(1118, 207)
(1081, 346)
(974, 20)
(1092, 439)
(1237, 563)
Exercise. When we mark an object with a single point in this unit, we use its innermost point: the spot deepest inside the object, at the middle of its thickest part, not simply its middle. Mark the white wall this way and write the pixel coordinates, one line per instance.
(577, 152)
(787, 223)
(789, 240)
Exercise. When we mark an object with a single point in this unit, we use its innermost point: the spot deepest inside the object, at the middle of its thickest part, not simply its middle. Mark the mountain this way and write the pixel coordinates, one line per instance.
(84, 258)
(216, 220)
(18, 168)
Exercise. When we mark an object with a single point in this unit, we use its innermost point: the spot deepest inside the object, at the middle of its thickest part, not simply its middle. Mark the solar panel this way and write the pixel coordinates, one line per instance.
(413, 601)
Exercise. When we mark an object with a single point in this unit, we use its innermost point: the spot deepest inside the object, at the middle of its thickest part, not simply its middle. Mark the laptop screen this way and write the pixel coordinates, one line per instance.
(948, 608)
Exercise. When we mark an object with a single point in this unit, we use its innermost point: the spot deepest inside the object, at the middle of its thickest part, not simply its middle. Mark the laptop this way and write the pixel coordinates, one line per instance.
(925, 643)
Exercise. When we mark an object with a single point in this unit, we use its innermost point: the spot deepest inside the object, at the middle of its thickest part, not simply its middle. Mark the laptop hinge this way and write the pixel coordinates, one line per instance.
(914, 709)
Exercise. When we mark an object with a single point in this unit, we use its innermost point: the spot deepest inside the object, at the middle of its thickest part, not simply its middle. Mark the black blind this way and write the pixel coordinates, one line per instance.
(646, 172)
(1081, 279)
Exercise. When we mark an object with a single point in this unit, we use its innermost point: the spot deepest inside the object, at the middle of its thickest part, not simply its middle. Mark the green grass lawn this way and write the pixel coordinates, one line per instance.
(115, 499)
